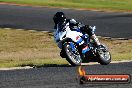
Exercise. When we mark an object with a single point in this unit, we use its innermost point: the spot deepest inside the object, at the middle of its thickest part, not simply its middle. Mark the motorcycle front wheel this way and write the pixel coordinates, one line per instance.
(72, 56)
(104, 56)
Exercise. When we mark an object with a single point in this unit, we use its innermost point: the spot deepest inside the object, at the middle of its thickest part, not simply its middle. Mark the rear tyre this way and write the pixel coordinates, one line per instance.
(73, 57)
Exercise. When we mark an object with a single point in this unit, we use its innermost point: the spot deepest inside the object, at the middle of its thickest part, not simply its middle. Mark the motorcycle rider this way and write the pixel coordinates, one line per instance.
(61, 21)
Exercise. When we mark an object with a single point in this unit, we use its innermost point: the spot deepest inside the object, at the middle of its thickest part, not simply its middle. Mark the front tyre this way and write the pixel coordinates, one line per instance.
(104, 56)
(72, 53)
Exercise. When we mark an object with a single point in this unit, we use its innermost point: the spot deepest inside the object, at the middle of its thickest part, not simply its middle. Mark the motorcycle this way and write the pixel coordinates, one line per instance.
(70, 49)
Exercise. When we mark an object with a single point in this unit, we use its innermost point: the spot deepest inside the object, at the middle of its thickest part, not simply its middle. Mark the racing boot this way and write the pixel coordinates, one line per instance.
(62, 54)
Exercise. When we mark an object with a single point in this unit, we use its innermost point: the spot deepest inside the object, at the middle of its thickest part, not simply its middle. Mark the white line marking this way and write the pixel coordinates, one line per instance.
(95, 63)
(16, 68)
(32, 30)
(7, 28)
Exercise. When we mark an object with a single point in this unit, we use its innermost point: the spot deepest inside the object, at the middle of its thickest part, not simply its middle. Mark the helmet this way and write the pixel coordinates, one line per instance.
(59, 17)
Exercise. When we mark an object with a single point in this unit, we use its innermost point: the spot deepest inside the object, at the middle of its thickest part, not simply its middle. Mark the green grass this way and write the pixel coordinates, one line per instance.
(21, 48)
(124, 5)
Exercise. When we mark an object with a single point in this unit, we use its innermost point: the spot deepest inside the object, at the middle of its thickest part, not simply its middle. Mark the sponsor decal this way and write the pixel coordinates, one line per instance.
(85, 49)
(79, 40)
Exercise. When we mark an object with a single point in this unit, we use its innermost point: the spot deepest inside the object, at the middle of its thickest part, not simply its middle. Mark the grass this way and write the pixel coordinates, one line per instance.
(119, 5)
(21, 48)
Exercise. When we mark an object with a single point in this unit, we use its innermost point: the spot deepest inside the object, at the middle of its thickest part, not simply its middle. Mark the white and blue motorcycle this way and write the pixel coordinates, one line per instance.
(69, 42)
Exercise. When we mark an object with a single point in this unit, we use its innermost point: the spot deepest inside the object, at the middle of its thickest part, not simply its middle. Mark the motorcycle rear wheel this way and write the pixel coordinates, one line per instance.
(73, 58)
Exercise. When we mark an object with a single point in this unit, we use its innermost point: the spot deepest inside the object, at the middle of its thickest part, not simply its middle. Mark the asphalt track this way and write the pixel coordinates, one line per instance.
(61, 77)
(108, 24)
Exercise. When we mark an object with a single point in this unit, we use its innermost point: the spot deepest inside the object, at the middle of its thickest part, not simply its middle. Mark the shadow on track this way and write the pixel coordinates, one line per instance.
(47, 65)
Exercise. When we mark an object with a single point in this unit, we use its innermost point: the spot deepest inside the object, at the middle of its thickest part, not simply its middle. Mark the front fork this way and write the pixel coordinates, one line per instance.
(95, 39)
